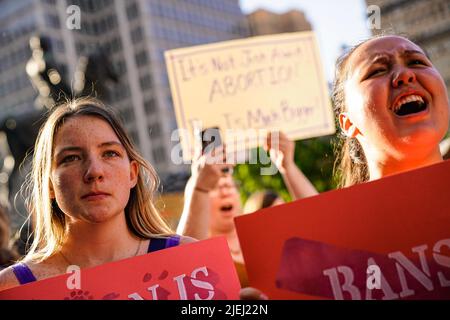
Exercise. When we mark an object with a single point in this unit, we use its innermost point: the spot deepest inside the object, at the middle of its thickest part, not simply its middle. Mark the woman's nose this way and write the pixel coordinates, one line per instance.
(94, 170)
(403, 75)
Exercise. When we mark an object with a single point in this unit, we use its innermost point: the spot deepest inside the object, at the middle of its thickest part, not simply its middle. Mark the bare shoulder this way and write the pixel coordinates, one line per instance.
(186, 240)
(40, 270)
(8, 279)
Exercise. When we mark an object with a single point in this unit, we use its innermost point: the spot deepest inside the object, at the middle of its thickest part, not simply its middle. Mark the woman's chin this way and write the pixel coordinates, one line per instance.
(98, 217)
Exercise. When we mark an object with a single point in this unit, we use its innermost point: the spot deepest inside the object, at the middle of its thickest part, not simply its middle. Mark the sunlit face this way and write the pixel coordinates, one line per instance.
(225, 204)
(397, 104)
(91, 174)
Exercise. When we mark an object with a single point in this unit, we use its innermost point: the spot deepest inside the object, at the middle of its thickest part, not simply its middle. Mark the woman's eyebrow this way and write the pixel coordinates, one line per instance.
(380, 58)
(412, 52)
(385, 57)
(65, 149)
(110, 143)
(101, 145)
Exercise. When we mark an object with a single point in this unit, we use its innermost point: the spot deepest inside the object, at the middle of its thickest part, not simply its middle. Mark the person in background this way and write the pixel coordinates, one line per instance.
(212, 199)
(262, 199)
(8, 254)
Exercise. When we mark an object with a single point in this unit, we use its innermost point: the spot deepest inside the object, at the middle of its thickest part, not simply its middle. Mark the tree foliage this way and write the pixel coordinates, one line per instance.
(313, 156)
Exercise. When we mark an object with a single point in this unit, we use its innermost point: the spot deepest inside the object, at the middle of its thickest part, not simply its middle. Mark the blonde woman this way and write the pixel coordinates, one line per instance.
(90, 194)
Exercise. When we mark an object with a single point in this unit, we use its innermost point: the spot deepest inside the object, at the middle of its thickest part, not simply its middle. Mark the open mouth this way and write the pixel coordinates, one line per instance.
(410, 105)
(226, 208)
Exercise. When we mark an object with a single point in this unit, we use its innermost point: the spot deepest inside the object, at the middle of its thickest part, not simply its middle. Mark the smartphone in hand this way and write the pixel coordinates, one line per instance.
(211, 139)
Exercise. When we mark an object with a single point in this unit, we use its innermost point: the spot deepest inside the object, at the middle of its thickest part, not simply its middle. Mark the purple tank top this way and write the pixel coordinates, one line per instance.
(163, 243)
(24, 274)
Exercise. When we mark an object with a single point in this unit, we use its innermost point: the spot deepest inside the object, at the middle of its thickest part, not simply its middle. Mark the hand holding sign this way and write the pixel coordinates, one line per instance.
(281, 150)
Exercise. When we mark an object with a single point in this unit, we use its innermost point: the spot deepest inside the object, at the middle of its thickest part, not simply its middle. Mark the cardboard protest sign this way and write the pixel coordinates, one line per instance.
(198, 271)
(385, 239)
(248, 86)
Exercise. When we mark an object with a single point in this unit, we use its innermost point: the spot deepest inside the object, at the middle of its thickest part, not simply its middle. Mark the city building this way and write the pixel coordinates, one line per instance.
(425, 22)
(262, 22)
(133, 35)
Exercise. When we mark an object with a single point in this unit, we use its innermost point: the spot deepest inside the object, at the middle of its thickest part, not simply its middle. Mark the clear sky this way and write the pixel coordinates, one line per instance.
(336, 22)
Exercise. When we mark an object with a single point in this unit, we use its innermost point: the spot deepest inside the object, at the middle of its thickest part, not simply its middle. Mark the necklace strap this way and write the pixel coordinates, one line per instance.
(65, 258)
(139, 247)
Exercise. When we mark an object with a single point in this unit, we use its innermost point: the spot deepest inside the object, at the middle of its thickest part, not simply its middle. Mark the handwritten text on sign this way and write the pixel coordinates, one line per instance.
(271, 82)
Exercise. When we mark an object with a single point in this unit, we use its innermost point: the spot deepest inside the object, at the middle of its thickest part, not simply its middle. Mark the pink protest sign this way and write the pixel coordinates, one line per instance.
(197, 271)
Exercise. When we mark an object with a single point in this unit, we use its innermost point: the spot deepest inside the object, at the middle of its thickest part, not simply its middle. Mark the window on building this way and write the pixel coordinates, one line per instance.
(116, 45)
(146, 82)
(134, 137)
(159, 154)
(121, 91)
(149, 106)
(102, 27)
(132, 11)
(141, 58)
(154, 130)
(52, 21)
(59, 44)
(127, 115)
(111, 22)
(121, 67)
(136, 34)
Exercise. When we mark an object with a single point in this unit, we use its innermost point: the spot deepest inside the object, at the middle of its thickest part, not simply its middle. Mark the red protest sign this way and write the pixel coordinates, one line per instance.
(386, 239)
(197, 271)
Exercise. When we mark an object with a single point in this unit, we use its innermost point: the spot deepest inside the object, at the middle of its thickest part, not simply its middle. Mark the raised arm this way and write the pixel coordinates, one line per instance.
(195, 219)
(282, 154)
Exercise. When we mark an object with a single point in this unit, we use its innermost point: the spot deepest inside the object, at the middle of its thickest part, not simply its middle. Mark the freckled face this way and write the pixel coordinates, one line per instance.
(384, 74)
(91, 174)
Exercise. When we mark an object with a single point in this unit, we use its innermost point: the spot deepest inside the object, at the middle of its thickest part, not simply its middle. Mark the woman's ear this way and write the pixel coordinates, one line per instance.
(134, 171)
(52, 191)
(347, 126)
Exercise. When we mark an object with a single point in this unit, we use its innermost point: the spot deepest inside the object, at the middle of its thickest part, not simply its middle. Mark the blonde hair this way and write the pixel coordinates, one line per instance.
(143, 219)
(351, 164)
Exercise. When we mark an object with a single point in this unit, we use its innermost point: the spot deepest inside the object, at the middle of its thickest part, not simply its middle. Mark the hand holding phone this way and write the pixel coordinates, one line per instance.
(211, 139)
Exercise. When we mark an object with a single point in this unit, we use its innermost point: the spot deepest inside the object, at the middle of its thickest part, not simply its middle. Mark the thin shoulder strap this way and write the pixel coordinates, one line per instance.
(163, 243)
(23, 273)
(173, 241)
